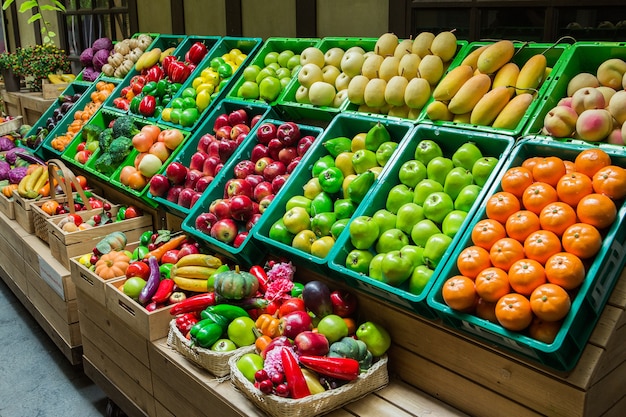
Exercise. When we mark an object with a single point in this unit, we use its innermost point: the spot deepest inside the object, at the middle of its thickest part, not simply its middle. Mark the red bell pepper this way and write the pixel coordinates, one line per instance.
(179, 72)
(194, 303)
(346, 369)
(164, 290)
(261, 276)
(154, 73)
(293, 374)
(137, 83)
(147, 106)
(197, 52)
(121, 103)
(185, 322)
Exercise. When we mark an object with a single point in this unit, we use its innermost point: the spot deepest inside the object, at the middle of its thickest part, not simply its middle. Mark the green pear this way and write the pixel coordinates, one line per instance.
(426, 150)
(376, 136)
(435, 248)
(456, 180)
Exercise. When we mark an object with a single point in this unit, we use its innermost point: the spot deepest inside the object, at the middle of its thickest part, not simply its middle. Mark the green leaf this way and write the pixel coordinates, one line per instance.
(49, 7)
(34, 18)
(27, 5)
(60, 5)
(7, 4)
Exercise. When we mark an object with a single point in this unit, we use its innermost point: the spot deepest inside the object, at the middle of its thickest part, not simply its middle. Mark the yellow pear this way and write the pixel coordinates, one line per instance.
(356, 89)
(343, 161)
(342, 81)
(358, 142)
(374, 95)
(431, 68)
(333, 56)
(371, 65)
(404, 47)
(340, 98)
(330, 74)
(394, 91)
(444, 45)
(399, 111)
(351, 63)
(386, 44)
(421, 44)
(417, 93)
(389, 68)
(409, 65)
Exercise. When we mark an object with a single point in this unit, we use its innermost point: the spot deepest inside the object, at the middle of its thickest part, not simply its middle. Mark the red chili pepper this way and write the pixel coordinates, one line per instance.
(197, 52)
(154, 73)
(293, 374)
(261, 276)
(185, 322)
(147, 106)
(164, 290)
(194, 303)
(166, 64)
(346, 369)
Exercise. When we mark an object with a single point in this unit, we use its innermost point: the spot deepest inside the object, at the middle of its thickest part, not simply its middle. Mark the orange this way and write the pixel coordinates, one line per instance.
(549, 169)
(572, 187)
(529, 163)
(591, 160)
(505, 252)
(582, 240)
(538, 195)
(486, 232)
(610, 181)
(541, 245)
(492, 283)
(550, 302)
(597, 209)
(565, 269)
(525, 275)
(472, 260)
(486, 310)
(521, 224)
(501, 205)
(515, 180)
(556, 217)
(459, 293)
(569, 167)
(513, 312)
(544, 331)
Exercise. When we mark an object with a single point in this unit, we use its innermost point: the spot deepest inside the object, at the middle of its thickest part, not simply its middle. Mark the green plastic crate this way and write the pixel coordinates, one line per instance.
(342, 125)
(587, 302)
(581, 57)
(248, 46)
(250, 251)
(184, 156)
(297, 45)
(287, 103)
(523, 52)
(449, 139)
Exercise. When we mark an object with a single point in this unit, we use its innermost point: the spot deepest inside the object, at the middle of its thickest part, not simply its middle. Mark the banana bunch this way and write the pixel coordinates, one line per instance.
(61, 78)
(192, 272)
(30, 185)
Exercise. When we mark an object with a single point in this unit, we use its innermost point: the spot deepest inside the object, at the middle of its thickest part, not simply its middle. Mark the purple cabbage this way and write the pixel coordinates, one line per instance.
(6, 144)
(102, 44)
(16, 174)
(100, 58)
(86, 57)
(11, 155)
(4, 170)
(90, 74)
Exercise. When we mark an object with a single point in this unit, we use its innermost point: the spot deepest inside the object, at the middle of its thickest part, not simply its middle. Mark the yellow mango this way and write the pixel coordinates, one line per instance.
(507, 77)
(495, 56)
(469, 94)
(472, 58)
(452, 82)
(489, 106)
(531, 74)
(513, 112)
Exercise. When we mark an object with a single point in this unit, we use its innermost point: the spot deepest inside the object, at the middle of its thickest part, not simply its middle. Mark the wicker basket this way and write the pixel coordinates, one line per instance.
(10, 125)
(40, 217)
(314, 405)
(214, 362)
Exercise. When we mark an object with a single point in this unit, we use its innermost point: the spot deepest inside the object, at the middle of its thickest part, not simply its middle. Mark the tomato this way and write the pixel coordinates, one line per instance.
(291, 304)
(82, 181)
(132, 212)
(95, 203)
(138, 269)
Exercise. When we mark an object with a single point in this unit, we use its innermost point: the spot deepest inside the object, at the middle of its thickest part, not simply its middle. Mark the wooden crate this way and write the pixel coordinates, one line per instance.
(52, 91)
(151, 325)
(64, 246)
(12, 105)
(7, 206)
(33, 105)
(13, 264)
(161, 411)
(23, 211)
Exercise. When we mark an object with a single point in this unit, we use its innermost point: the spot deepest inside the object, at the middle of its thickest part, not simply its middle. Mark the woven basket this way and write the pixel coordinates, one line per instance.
(11, 125)
(40, 217)
(214, 362)
(314, 405)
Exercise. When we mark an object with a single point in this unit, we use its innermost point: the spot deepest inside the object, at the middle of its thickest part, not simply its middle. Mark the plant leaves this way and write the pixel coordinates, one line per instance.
(34, 18)
(27, 5)
(7, 4)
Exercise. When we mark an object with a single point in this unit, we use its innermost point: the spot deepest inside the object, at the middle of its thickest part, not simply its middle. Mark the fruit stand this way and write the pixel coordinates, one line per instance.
(344, 208)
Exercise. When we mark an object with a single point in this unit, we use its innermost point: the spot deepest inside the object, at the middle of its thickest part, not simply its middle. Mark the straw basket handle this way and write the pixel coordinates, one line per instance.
(54, 166)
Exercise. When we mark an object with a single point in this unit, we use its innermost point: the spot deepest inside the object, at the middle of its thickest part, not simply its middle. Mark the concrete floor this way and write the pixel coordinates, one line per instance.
(36, 380)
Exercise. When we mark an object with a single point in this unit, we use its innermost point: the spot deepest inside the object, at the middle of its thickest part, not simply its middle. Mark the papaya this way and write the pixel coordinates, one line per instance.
(470, 92)
(495, 56)
(531, 74)
(452, 82)
(513, 112)
(489, 106)
(507, 77)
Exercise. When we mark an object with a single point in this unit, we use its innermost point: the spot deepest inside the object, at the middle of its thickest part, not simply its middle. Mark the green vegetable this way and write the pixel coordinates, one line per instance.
(349, 347)
(105, 138)
(124, 126)
(92, 132)
(104, 164)
(120, 148)
(113, 241)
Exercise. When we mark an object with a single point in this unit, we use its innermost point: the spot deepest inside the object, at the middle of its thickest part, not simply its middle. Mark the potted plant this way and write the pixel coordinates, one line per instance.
(8, 64)
(34, 63)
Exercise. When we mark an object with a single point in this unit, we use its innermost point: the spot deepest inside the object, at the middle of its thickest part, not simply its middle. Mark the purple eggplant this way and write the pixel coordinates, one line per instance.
(152, 283)
(316, 296)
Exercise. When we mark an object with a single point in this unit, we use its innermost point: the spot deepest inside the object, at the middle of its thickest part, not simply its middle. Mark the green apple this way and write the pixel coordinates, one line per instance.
(270, 58)
(375, 271)
(412, 172)
(338, 227)
(375, 337)
(284, 57)
(435, 248)
(333, 327)
(344, 208)
(359, 260)
(293, 62)
(269, 88)
(298, 201)
(248, 90)
(426, 150)
(386, 220)
(385, 151)
(466, 198)
(422, 231)
(363, 232)
(241, 331)
(466, 155)
(437, 206)
(438, 168)
(296, 219)
(322, 222)
(456, 180)
(364, 159)
(223, 345)
(321, 203)
(312, 188)
(248, 364)
(265, 72)
(425, 188)
(452, 222)
(283, 73)
(278, 232)
(399, 195)
(408, 215)
(251, 72)
(396, 268)
(414, 253)
(303, 240)
(419, 279)
(391, 240)
(482, 169)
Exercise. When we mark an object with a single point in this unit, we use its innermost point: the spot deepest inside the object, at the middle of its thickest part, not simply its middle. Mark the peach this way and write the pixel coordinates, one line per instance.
(616, 137)
(565, 101)
(617, 106)
(611, 72)
(607, 92)
(594, 125)
(581, 80)
(587, 98)
(560, 122)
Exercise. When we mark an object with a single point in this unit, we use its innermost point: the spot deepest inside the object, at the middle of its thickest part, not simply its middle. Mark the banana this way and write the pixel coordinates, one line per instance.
(55, 79)
(199, 259)
(194, 272)
(190, 284)
(21, 187)
(33, 177)
(43, 179)
(68, 78)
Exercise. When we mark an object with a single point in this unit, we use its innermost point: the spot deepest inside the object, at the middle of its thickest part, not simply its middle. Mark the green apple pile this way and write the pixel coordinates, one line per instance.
(339, 181)
(406, 240)
(266, 83)
(397, 78)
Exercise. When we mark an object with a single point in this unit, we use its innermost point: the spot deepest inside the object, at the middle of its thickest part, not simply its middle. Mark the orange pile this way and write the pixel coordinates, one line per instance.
(528, 255)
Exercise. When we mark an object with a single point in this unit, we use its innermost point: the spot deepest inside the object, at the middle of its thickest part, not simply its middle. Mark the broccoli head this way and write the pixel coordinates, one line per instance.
(105, 138)
(124, 126)
(120, 148)
(105, 164)
(91, 132)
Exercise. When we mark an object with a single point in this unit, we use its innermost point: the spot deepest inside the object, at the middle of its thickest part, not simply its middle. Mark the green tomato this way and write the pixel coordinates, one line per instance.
(248, 364)
(241, 331)
(189, 92)
(133, 286)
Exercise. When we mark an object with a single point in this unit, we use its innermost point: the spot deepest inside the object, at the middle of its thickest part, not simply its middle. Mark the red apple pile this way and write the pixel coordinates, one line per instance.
(255, 182)
(182, 184)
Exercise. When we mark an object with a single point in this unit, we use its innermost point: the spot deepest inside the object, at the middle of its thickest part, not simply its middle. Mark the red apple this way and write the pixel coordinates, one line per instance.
(243, 168)
(304, 144)
(185, 197)
(274, 169)
(240, 138)
(203, 183)
(293, 164)
(223, 132)
(344, 303)
(238, 129)
(227, 148)
(278, 182)
(173, 192)
(213, 149)
(218, 168)
(288, 133)
(220, 121)
(159, 185)
(287, 154)
(197, 160)
(221, 208)
(255, 120)
(260, 165)
(265, 132)
(188, 248)
(241, 207)
(238, 117)
(193, 175)
(196, 196)
(210, 165)
(170, 256)
(224, 230)
(204, 222)
(240, 238)
(238, 186)
(252, 221)
(259, 151)
(203, 142)
(176, 172)
(311, 343)
(262, 189)
(265, 202)
(274, 146)
(255, 179)
(295, 322)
